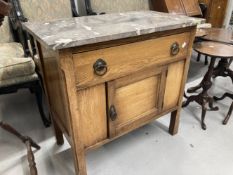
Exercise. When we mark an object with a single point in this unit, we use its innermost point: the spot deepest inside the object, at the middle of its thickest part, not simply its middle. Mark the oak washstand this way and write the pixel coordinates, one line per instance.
(107, 75)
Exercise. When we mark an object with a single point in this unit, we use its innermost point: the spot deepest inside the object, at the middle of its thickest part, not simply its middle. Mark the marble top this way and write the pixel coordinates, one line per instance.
(72, 32)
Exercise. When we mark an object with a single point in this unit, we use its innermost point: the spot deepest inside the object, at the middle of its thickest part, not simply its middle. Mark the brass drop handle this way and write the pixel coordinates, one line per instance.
(100, 67)
(112, 113)
(175, 49)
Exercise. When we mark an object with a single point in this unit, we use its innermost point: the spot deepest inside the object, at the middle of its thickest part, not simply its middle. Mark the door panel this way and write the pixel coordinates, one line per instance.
(142, 97)
(135, 99)
(217, 12)
(173, 84)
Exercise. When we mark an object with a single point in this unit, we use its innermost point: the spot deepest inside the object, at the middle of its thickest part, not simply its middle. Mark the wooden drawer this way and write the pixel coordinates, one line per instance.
(126, 59)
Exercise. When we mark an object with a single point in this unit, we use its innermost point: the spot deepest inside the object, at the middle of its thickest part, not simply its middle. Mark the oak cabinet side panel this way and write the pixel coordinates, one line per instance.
(51, 76)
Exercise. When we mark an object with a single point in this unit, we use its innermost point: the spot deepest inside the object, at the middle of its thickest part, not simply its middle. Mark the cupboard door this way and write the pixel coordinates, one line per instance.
(192, 7)
(135, 99)
(216, 13)
(173, 85)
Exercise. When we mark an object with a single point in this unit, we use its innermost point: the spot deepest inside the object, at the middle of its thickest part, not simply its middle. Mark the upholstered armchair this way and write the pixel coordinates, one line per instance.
(18, 61)
(5, 9)
(16, 70)
(94, 7)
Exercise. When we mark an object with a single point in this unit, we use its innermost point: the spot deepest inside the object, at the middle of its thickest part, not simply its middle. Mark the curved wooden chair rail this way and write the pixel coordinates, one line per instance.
(29, 144)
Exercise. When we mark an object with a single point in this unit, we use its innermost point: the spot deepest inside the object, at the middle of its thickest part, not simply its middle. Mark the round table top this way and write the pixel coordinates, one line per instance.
(214, 49)
(216, 34)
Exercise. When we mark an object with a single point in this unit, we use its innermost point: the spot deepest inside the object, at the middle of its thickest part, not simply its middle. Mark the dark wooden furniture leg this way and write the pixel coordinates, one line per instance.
(223, 69)
(224, 96)
(174, 125)
(231, 108)
(203, 98)
(206, 60)
(28, 142)
(31, 158)
(198, 57)
(228, 115)
(39, 94)
(58, 134)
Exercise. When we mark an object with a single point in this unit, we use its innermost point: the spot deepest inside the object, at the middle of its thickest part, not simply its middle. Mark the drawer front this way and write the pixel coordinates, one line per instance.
(102, 65)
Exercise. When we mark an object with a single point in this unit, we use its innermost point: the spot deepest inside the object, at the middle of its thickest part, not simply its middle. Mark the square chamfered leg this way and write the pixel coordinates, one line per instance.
(58, 133)
(174, 122)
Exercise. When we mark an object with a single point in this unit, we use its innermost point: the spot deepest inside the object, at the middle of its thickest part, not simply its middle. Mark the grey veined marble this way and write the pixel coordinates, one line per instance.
(71, 32)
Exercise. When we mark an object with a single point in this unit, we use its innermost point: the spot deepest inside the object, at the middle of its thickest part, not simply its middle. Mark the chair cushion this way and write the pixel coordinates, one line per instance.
(12, 62)
(18, 80)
